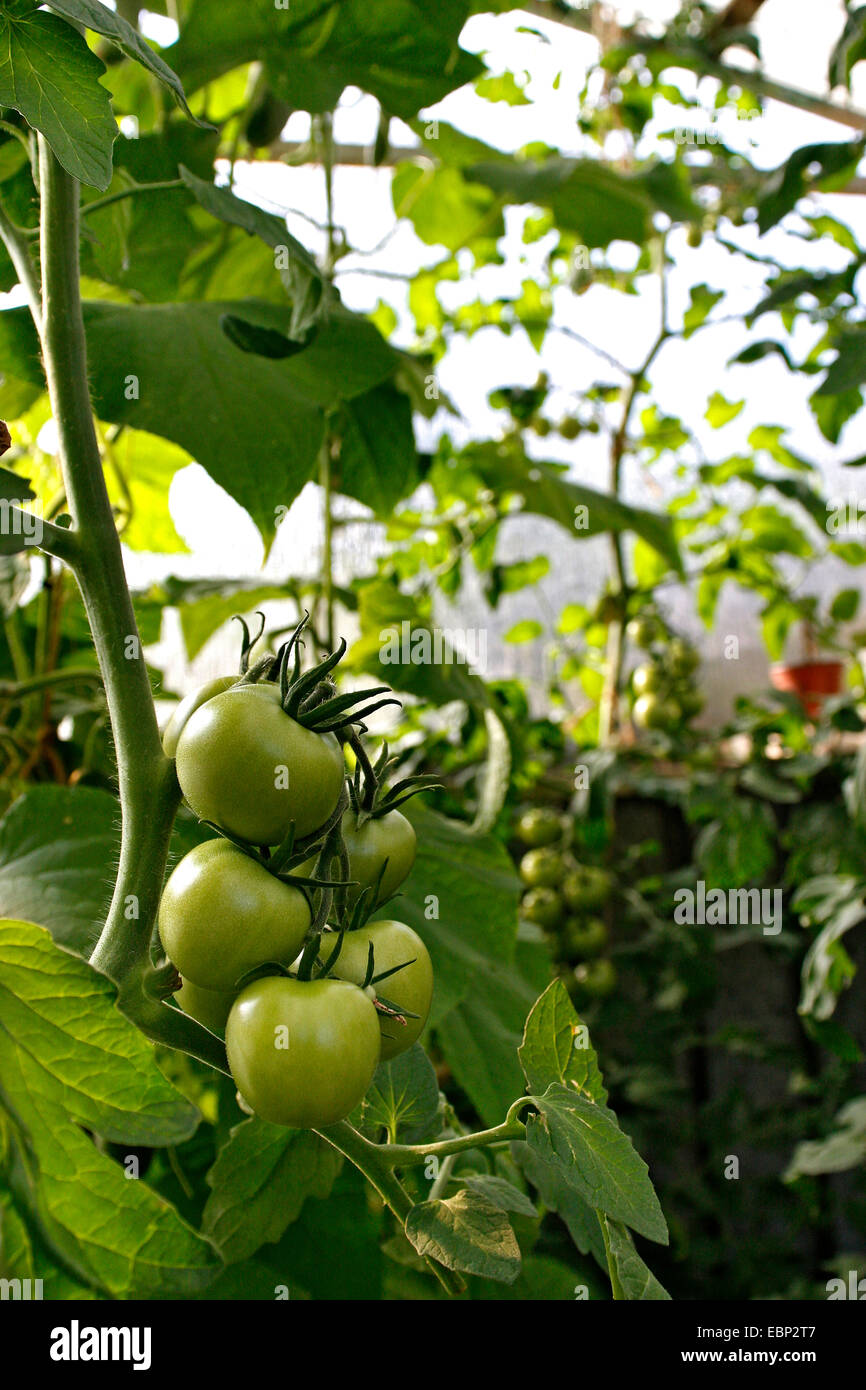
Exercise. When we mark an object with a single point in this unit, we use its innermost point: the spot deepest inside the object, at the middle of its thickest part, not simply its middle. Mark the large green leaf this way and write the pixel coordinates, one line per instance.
(547, 491)
(113, 1233)
(584, 1142)
(444, 208)
(262, 1177)
(556, 1047)
(378, 462)
(586, 197)
(48, 73)
(301, 276)
(75, 1053)
(151, 244)
(556, 1192)
(255, 425)
(56, 844)
(466, 1232)
(635, 1280)
(403, 1097)
(113, 26)
(849, 368)
(827, 166)
(406, 56)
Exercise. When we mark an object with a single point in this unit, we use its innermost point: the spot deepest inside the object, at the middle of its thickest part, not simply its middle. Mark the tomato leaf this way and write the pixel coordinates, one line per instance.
(584, 1142)
(404, 1096)
(48, 73)
(468, 1233)
(556, 1047)
(635, 1279)
(75, 1053)
(262, 1177)
(113, 26)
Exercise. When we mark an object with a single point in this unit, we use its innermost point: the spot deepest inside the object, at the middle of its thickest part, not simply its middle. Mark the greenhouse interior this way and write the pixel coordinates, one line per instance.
(433, 662)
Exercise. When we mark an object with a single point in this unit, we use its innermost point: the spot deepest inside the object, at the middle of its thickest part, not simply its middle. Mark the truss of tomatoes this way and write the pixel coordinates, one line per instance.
(267, 925)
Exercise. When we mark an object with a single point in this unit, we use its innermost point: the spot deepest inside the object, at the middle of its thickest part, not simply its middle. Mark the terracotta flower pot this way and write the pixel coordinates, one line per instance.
(813, 681)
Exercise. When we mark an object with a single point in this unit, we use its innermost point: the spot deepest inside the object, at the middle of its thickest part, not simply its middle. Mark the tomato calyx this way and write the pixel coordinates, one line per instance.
(248, 642)
(162, 980)
(311, 698)
(371, 797)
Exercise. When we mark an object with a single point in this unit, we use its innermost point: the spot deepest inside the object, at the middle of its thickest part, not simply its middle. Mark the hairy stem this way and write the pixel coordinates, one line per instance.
(369, 1159)
(147, 782)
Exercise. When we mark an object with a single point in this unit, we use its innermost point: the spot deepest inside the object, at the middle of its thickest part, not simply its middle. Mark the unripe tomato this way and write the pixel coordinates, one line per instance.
(586, 888)
(569, 428)
(644, 631)
(539, 826)
(411, 988)
(208, 1006)
(187, 708)
(584, 937)
(595, 979)
(542, 868)
(302, 1053)
(222, 914)
(388, 837)
(647, 679)
(542, 906)
(681, 658)
(244, 764)
(691, 702)
(651, 712)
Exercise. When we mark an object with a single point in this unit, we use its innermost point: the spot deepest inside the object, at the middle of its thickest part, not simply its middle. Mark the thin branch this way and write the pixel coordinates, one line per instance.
(99, 203)
(704, 63)
(17, 245)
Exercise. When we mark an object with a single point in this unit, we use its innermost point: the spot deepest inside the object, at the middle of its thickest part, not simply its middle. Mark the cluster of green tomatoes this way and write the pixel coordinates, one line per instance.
(663, 686)
(565, 898)
(267, 924)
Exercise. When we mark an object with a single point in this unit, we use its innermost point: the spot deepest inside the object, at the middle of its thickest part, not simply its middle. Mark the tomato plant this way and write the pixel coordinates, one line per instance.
(317, 1009)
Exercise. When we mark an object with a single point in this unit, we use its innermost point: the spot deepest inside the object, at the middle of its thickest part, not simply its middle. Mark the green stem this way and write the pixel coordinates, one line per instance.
(616, 1288)
(99, 203)
(368, 1158)
(326, 483)
(18, 247)
(410, 1155)
(71, 675)
(149, 793)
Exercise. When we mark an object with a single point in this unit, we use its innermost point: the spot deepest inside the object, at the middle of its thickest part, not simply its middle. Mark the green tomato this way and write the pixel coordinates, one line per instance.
(569, 428)
(542, 906)
(208, 1006)
(586, 888)
(691, 702)
(540, 826)
(595, 979)
(647, 679)
(410, 988)
(244, 764)
(651, 712)
(681, 659)
(542, 868)
(644, 631)
(302, 1053)
(181, 715)
(584, 937)
(389, 837)
(222, 914)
